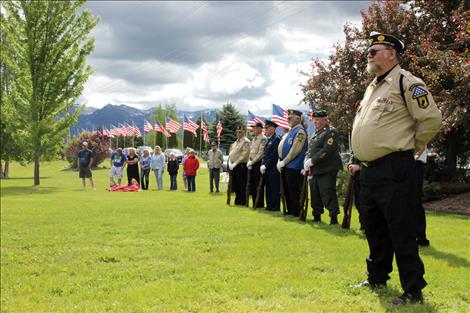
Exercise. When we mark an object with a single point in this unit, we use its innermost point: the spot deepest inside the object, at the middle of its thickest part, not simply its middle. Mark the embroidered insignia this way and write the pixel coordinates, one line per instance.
(419, 92)
(370, 41)
(380, 38)
(423, 102)
(330, 141)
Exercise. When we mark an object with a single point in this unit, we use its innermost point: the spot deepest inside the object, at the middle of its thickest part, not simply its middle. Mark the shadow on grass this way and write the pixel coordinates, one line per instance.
(23, 178)
(452, 260)
(387, 294)
(27, 190)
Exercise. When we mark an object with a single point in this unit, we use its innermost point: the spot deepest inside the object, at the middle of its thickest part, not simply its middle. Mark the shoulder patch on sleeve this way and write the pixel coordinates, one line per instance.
(416, 85)
(330, 141)
(418, 92)
(300, 136)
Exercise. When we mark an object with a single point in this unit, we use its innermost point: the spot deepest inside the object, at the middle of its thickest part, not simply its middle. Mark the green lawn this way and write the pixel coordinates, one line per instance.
(67, 250)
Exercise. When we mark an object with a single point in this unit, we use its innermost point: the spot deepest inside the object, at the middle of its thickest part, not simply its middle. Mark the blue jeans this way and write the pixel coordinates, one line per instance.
(191, 183)
(173, 185)
(159, 177)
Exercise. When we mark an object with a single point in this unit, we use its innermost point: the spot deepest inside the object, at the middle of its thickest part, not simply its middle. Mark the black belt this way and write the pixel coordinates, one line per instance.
(386, 158)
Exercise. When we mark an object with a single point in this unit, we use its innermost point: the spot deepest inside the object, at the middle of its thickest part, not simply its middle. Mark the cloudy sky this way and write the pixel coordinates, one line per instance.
(201, 54)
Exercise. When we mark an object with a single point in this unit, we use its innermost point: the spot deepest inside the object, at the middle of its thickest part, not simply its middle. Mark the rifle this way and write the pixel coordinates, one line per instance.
(229, 187)
(348, 203)
(304, 199)
(247, 190)
(258, 191)
(283, 194)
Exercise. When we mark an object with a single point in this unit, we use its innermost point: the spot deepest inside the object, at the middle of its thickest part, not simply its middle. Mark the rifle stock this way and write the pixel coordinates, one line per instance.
(348, 203)
(229, 187)
(304, 199)
(247, 190)
(258, 191)
(283, 194)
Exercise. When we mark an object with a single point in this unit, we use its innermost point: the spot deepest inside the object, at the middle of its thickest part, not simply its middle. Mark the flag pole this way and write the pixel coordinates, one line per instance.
(200, 137)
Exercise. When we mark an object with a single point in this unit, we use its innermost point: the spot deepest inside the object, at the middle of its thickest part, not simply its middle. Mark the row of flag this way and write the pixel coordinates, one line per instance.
(279, 116)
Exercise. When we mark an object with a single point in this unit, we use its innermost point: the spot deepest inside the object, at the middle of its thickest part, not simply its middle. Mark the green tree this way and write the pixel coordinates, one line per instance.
(48, 43)
(160, 114)
(437, 42)
(230, 118)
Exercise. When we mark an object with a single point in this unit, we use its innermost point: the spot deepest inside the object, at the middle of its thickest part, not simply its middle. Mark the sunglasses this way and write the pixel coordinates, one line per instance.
(373, 51)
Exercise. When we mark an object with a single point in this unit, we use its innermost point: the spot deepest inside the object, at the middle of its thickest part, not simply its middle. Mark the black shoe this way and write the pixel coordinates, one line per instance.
(423, 242)
(367, 284)
(408, 297)
(334, 220)
(316, 218)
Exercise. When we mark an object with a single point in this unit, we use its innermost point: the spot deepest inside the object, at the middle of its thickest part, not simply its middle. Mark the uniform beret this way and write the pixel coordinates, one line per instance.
(294, 112)
(377, 38)
(270, 123)
(320, 113)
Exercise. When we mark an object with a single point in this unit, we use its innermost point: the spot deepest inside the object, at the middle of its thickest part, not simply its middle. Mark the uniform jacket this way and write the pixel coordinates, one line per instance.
(191, 166)
(240, 151)
(215, 159)
(257, 148)
(270, 156)
(385, 123)
(324, 151)
(293, 147)
(173, 166)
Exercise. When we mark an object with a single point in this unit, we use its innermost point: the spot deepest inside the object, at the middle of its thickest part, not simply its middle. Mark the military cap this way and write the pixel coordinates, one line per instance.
(259, 125)
(270, 123)
(377, 38)
(241, 128)
(213, 143)
(294, 112)
(320, 113)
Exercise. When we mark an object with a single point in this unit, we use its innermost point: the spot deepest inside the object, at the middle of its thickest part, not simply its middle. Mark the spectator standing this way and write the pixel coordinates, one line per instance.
(214, 163)
(84, 163)
(132, 166)
(185, 157)
(118, 160)
(190, 167)
(144, 170)
(173, 166)
(157, 164)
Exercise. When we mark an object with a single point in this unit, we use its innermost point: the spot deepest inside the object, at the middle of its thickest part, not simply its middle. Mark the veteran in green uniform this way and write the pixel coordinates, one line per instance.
(324, 161)
(396, 117)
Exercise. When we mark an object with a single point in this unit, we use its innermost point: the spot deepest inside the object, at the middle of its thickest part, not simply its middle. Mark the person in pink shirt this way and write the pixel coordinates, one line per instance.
(190, 168)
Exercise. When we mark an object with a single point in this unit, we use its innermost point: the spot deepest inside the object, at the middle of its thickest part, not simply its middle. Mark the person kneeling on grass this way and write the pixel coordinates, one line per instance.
(134, 186)
(190, 167)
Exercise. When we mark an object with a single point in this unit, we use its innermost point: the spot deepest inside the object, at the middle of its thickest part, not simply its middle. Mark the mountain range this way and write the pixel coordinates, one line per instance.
(92, 118)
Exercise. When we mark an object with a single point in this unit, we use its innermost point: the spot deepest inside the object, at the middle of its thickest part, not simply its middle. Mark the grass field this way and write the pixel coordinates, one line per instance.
(67, 250)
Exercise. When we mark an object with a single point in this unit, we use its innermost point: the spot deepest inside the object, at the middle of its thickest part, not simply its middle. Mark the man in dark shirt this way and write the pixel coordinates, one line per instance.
(84, 163)
(268, 167)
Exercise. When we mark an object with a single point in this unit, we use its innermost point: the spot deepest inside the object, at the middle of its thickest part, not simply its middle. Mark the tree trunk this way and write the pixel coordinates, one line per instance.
(6, 170)
(1, 169)
(450, 165)
(37, 156)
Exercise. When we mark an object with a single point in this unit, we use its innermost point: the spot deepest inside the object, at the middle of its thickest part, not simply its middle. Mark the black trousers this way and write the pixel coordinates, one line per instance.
(388, 205)
(292, 183)
(271, 179)
(420, 213)
(323, 193)
(239, 174)
(214, 177)
(254, 181)
(357, 198)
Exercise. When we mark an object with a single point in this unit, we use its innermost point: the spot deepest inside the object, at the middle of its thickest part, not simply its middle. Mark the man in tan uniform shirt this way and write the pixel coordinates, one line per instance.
(256, 155)
(396, 117)
(238, 156)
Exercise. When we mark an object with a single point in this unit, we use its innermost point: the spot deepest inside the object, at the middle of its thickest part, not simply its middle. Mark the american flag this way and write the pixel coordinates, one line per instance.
(136, 131)
(147, 126)
(218, 128)
(128, 130)
(252, 120)
(159, 128)
(280, 116)
(205, 133)
(171, 125)
(189, 125)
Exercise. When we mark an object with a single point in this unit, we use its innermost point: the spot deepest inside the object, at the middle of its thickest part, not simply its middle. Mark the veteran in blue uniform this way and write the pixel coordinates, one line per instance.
(291, 152)
(268, 167)
(324, 161)
(396, 117)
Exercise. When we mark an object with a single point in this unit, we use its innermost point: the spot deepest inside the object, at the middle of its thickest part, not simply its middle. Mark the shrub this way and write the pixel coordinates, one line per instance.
(97, 142)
